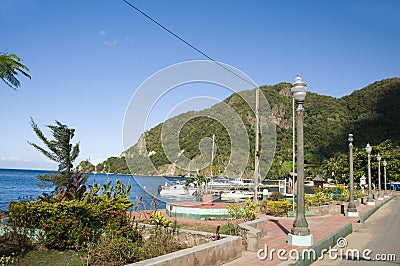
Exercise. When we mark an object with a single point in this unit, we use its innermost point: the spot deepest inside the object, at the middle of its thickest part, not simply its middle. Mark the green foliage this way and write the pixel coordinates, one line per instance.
(327, 123)
(64, 225)
(247, 212)
(278, 208)
(338, 167)
(113, 251)
(117, 250)
(275, 196)
(8, 260)
(344, 193)
(114, 165)
(319, 198)
(235, 211)
(10, 67)
(68, 184)
(85, 167)
(71, 224)
(158, 219)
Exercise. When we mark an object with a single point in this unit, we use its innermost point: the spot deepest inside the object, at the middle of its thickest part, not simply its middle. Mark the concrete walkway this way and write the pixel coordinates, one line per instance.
(379, 236)
(279, 227)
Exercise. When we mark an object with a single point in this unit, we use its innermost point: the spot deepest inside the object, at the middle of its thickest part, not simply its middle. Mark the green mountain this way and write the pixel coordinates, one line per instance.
(372, 114)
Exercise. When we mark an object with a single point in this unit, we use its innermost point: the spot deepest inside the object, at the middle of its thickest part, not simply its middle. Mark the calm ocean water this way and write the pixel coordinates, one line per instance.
(19, 184)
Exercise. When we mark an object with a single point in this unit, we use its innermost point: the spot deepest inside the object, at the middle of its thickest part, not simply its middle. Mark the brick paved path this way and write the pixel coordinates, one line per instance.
(279, 227)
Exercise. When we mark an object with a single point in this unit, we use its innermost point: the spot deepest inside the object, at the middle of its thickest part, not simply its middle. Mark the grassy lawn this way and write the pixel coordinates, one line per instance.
(51, 257)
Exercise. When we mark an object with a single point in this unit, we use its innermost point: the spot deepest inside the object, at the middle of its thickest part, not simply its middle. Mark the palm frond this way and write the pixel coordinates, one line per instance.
(10, 67)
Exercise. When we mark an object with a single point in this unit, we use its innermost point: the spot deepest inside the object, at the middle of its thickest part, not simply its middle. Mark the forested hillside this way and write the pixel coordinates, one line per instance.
(372, 114)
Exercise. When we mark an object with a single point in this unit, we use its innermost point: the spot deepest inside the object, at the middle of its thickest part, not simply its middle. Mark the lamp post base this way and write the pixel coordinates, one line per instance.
(371, 203)
(351, 214)
(303, 241)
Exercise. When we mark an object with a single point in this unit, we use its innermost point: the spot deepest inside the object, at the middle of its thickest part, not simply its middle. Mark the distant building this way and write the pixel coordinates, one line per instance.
(319, 181)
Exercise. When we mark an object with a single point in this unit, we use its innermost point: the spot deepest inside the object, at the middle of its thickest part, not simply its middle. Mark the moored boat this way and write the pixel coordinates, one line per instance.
(177, 188)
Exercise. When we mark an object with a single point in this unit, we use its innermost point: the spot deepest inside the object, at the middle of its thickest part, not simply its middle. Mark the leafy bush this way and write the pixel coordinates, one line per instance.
(158, 219)
(119, 243)
(8, 260)
(65, 224)
(275, 196)
(278, 208)
(113, 249)
(246, 212)
(344, 192)
(318, 199)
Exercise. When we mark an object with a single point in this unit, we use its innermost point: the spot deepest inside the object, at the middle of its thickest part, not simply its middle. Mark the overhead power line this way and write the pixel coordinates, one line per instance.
(187, 43)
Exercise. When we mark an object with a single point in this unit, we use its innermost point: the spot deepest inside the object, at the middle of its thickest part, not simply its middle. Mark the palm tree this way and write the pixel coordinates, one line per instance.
(10, 66)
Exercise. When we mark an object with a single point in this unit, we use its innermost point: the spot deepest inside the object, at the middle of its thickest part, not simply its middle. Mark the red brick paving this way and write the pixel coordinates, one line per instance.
(279, 227)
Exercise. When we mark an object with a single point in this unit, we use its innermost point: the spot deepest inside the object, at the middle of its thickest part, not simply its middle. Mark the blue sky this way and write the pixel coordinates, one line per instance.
(87, 58)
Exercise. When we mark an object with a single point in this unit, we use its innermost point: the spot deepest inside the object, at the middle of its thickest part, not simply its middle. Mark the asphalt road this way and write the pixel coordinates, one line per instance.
(376, 240)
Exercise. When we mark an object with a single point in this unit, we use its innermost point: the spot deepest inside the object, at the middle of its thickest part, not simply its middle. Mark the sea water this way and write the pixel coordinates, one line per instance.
(21, 185)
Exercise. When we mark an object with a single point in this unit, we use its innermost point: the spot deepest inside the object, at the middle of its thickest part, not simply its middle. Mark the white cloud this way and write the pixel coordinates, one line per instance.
(10, 158)
(111, 43)
(103, 32)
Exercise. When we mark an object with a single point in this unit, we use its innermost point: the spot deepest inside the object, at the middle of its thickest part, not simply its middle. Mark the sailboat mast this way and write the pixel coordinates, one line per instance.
(257, 152)
(212, 154)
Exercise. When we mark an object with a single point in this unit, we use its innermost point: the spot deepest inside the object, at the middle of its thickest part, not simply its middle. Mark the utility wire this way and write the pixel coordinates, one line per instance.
(187, 43)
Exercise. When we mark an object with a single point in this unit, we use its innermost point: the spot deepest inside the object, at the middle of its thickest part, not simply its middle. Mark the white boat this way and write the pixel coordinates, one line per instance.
(236, 195)
(219, 182)
(178, 188)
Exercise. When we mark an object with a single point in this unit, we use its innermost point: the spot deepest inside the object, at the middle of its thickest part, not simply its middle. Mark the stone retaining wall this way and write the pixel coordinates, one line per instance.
(333, 208)
(251, 233)
(206, 251)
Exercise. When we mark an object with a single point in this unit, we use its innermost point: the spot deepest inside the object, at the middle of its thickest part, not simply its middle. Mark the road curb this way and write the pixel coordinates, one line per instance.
(309, 255)
(367, 214)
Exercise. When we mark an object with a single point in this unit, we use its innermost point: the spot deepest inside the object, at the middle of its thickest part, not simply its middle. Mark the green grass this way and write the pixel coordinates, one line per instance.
(51, 257)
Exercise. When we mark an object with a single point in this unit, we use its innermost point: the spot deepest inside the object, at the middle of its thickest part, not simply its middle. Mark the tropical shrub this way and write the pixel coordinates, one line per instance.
(275, 196)
(67, 224)
(278, 208)
(318, 199)
(246, 212)
(159, 220)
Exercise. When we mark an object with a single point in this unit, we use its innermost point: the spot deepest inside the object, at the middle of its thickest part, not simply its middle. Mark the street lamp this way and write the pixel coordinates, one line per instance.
(370, 200)
(379, 158)
(351, 208)
(385, 195)
(300, 233)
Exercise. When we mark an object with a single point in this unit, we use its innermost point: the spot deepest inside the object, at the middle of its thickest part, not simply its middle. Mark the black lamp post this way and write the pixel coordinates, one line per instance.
(370, 200)
(351, 208)
(300, 233)
(379, 158)
(385, 195)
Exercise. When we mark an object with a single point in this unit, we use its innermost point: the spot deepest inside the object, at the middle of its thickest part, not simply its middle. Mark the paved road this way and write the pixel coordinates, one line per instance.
(378, 237)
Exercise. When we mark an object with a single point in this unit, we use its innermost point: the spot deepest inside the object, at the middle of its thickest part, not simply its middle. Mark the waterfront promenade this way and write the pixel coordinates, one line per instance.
(278, 229)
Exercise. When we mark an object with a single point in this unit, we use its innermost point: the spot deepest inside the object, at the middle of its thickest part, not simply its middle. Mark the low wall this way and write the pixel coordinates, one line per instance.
(327, 209)
(207, 252)
(251, 233)
(333, 208)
